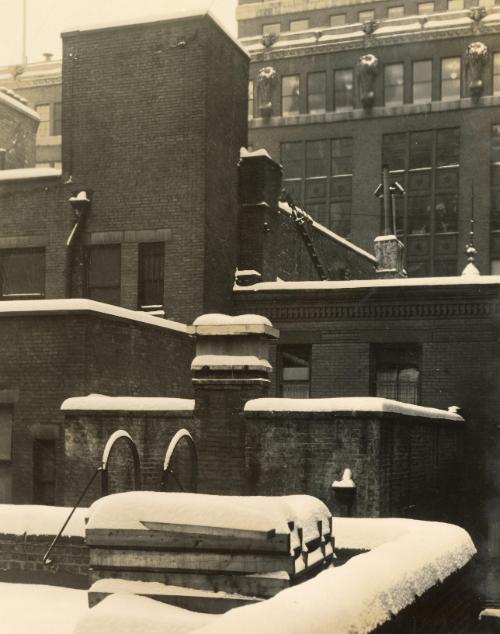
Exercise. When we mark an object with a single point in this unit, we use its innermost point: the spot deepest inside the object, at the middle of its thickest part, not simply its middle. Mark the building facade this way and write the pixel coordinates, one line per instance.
(18, 125)
(337, 90)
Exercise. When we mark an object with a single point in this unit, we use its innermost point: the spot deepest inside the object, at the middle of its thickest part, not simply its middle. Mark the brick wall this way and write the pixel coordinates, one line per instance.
(17, 134)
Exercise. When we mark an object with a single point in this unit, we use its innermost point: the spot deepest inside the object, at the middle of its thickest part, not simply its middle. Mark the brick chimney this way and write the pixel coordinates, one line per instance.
(231, 367)
(389, 252)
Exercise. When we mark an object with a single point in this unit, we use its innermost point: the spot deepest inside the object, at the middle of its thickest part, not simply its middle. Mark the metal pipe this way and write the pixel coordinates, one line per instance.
(387, 200)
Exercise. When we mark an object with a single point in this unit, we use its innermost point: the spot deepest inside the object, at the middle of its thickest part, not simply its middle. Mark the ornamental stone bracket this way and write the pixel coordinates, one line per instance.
(269, 39)
(476, 56)
(367, 70)
(267, 78)
(370, 26)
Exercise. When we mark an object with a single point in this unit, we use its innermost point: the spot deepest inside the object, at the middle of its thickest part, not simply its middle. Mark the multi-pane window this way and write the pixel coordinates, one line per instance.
(455, 5)
(343, 90)
(496, 74)
(366, 16)
(290, 91)
(151, 274)
(318, 175)
(426, 163)
(57, 119)
(395, 12)
(393, 84)
(495, 198)
(250, 99)
(43, 111)
(104, 273)
(450, 78)
(316, 92)
(299, 25)
(5, 455)
(294, 376)
(44, 471)
(396, 373)
(422, 81)
(338, 20)
(22, 273)
(271, 29)
(425, 8)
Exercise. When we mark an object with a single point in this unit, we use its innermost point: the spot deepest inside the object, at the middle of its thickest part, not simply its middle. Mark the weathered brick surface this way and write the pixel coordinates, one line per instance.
(17, 136)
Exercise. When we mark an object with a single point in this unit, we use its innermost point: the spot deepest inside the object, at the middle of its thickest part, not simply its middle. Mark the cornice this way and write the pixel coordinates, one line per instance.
(273, 8)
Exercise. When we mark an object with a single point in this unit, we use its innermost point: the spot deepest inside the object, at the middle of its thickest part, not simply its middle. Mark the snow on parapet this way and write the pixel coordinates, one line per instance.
(244, 153)
(101, 402)
(86, 305)
(16, 519)
(351, 404)
(230, 362)
(281, 285)
(217, 324)
(219, 319)
(368, 590)
(16, 103)
(27, 173)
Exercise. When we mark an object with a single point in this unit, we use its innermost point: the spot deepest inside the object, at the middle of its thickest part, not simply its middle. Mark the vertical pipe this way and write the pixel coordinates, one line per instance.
(387, 200)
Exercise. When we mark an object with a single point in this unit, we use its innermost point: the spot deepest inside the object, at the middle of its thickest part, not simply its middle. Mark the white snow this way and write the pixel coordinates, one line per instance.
(229, 362)
(470, 270)
(131, 510)
(363, 593)
(101, 402)
(244, 153)
(124, 586)
(373, 283)
(219, 319)
(131, 614)
(86, 305)
(18, 105)
(347, 404)
(27, 173)
(247, 272)
(346, 482)
(25, 519)
(30, 609)
(491, 613)
(181, 433)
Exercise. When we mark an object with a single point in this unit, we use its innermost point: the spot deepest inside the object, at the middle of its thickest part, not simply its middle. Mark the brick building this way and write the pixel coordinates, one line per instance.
(18, 125)
(337, 89)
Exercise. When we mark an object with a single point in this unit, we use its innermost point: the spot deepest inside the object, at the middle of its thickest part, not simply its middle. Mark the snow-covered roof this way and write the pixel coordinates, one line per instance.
(101, 402)
(34, 306)
(218, 324)
(230, 362)
(407, 282)
(25, 519)
(201, 9)
(28, 173)
(351, 404)
(244, 153)
(16, 104)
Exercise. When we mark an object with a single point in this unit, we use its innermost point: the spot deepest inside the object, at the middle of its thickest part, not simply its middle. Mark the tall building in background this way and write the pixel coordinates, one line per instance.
(40, 83)
(338, 89)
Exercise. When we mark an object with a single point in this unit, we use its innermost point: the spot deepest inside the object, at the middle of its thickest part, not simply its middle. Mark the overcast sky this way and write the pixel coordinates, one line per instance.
(48, 18)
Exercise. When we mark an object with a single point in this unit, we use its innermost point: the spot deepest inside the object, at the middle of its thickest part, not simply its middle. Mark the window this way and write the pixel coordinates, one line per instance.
(342, 156)
(22, 273)
(5, 455)
(496, 73)
(44, 472)
(271, 29)
(495, 186)
(316, 92)
(395, 373)
(366, 16)
(250, 99)
(422, 81)
(343, 90)
(151, 274)
(104, 273)
(427, 165)
(395, 12)
(450, 78)
(425, 8)
(337, 20)
(290, 89)
(393, 84)
(57, 121)
(299, 25)
(295, 371)
(455, 5)
(43, 111)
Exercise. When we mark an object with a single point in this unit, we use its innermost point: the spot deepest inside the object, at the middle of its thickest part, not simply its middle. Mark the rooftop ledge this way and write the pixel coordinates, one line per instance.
(218, 324)
(29, 173)
(103, 403)
(351, 406)
(78, 306)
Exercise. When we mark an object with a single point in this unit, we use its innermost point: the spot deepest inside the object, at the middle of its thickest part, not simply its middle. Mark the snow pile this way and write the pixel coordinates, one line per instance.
(130, 614)
(25, 173)
(24, 519)
(351, 404)
(131, 510)
(229, 362)
(101, 402)
(124, 586)
(219, 319)
(366, 591)
(346, 482)
(244, 153)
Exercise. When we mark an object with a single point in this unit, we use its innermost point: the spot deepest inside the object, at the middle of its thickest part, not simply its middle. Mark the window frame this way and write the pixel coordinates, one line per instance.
(22, 251)
(337, 71)
(299, 21)
(338, 15)
(88, 263)
(422, 4)
(56, 125)
(291, 96)
(283, 349)
(267, 29)
(392, 104)
(143, 248)
(495, 56)
(44, 127)
(310, 75)
(367, 17)
(251, 99)
(400, 356)
(395, 17)
(415, 83)
(441, 78)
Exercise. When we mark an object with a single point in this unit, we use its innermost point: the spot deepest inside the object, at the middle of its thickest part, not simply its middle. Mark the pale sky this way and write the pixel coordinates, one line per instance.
(48, 18)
